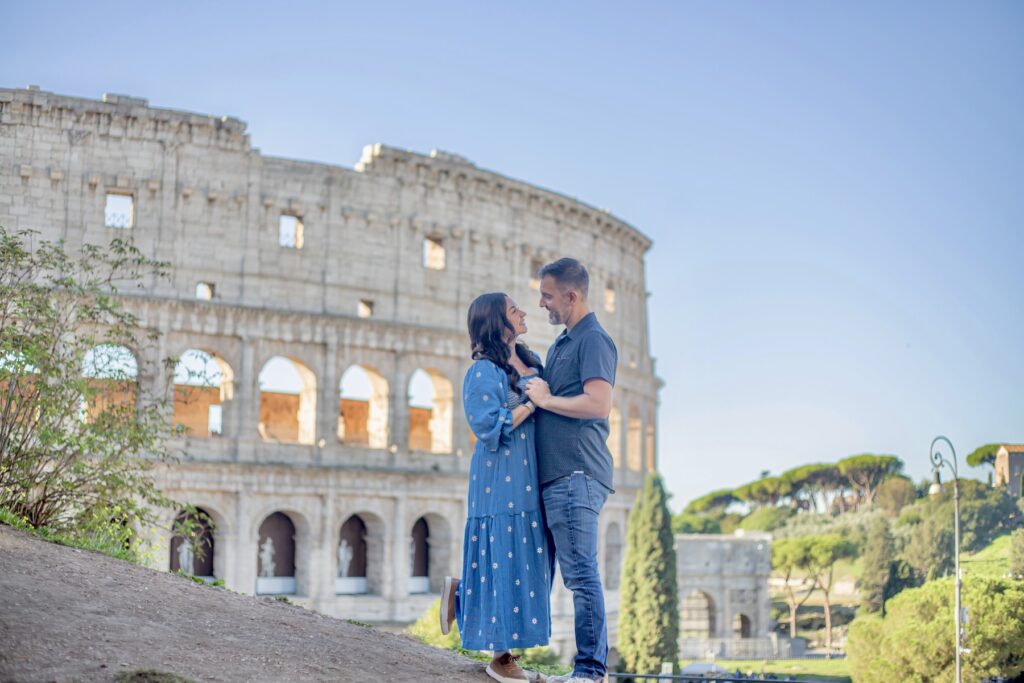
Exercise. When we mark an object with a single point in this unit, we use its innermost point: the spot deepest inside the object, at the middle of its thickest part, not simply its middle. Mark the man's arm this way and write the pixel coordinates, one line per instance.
(594, 403)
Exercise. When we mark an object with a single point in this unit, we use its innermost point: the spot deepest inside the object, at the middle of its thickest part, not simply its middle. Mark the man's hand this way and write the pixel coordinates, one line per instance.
(538, 391)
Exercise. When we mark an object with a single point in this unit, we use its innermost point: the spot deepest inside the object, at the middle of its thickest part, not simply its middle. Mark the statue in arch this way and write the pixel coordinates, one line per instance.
(345, 553)
(186, 557)
(267, 558)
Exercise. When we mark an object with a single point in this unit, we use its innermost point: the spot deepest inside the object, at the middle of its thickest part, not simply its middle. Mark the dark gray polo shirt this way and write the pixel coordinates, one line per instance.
(567, 444)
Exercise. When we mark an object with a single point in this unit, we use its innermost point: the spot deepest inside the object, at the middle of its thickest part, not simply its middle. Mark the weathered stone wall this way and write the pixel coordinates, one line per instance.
(209, 203)
(731, 574)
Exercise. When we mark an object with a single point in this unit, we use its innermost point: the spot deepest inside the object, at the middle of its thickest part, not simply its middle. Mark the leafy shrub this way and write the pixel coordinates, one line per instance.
(914, 641)
(767, 518)
(690, 523)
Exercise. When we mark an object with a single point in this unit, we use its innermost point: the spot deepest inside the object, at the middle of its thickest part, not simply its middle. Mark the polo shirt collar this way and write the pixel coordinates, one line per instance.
(585, 323)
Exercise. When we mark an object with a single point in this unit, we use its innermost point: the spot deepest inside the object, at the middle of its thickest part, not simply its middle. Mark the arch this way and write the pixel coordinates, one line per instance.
(194, 555)
(429, 553)
(352, 557)
(697, 616)
(430, 411)
(275, 558)
(634, 440)
(740, 626)
(203, 381)
(363, 407)
(112, 374)
(649, 447)
(612, 556)
(287, 401)
(615, 436)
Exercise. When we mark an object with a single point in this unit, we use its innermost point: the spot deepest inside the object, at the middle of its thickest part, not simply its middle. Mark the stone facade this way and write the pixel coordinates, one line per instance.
(377, 268)
(724, 597)
(1010, 469)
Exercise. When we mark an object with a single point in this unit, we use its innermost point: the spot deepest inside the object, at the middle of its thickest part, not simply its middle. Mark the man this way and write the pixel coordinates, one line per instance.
(575, 466)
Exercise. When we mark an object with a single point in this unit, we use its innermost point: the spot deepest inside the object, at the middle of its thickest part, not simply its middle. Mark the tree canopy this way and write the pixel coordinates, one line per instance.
(716, 501)
(983, 455)
(914, 641)
(866, 471)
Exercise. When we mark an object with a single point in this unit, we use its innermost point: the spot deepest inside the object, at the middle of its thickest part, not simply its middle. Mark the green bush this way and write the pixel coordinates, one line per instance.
(766, 518)
(691, 523)
(914, 641)
(894, 494)
(1017, 554)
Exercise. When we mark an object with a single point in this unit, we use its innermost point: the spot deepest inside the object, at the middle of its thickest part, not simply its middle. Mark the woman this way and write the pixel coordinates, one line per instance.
(502, 601)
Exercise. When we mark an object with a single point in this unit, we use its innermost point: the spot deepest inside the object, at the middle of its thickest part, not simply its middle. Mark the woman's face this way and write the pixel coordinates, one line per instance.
(515, 316)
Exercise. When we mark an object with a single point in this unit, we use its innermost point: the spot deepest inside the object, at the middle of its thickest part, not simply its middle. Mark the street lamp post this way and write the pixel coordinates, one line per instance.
(936, 488)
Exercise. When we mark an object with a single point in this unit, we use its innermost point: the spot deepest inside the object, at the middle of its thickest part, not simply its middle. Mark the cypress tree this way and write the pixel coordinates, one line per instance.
(876, 562)
(649, 605)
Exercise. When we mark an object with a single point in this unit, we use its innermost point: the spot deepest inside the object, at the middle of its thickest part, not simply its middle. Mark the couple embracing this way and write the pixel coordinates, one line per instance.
(540, 474)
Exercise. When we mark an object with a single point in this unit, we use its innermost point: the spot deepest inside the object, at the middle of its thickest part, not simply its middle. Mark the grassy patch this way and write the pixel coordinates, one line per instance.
(992, 561)
(97, 544)
(830, 670)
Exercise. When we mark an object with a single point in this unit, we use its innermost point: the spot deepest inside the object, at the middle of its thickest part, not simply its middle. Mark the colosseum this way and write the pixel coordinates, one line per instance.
(324, 309)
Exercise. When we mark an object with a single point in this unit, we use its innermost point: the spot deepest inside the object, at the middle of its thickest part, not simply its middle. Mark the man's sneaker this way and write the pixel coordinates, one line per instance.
(448, 604)
(505, 669)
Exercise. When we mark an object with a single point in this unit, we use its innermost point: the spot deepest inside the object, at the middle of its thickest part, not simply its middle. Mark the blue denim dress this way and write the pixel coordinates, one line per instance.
(503, 598)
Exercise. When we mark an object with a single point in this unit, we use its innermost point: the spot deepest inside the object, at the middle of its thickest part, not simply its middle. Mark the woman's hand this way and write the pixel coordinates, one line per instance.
(538, 391)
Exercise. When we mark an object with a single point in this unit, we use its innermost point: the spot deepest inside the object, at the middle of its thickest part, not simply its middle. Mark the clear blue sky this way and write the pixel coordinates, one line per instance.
(835, 190)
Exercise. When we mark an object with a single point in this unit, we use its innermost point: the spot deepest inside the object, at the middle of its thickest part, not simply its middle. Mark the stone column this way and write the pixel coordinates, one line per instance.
(399, 560)
(243, 578)
(399, 413)
(244, 410)
(327, 428)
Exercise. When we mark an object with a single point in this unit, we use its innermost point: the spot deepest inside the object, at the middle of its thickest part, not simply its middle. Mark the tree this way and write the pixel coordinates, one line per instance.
(984, 455)
(768, 518)
(894, 494)
(767, 491)
(914, 641)
(876, 566)
(686, 523)
(866, 471)
(649, 612)
(930, 550)
(791, 557)
(822, 554)
(1017, 554)
(806, 482)
(75, 450)
(713, 503)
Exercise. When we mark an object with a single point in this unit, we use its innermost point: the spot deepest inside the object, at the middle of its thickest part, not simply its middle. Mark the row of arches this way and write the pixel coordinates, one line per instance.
(698, 621)
(204, 383)
(358, 553)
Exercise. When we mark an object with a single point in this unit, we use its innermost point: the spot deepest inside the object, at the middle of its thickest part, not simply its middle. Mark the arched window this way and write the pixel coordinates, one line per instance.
(430, 412)
(430, 553)
(612, 556)
(363, 408)
(615, 436)
(202, 383)
(741, 626)
(276, 556)
(352, 558)
(113, 375)
(697, 616)
(419, 557)
(193, 554)
(634, 441)
(287, 401)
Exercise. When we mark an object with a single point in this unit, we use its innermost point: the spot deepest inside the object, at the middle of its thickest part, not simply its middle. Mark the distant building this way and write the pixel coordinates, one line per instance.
(724, 598)
(1010, 468)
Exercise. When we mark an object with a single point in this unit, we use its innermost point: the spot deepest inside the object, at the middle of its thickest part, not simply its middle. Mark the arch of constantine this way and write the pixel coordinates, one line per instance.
(318, 313)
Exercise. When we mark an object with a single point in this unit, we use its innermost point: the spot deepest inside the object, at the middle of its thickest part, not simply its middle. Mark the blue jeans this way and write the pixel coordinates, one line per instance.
(571, 507)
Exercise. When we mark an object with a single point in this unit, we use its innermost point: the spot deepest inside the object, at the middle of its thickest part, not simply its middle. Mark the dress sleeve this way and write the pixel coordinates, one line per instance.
(484, 395)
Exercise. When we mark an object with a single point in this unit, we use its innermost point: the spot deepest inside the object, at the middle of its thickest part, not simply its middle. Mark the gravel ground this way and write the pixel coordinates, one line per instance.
(74, 615)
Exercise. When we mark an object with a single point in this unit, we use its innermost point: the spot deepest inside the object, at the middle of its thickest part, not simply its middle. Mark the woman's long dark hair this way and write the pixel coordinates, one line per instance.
(488, 333)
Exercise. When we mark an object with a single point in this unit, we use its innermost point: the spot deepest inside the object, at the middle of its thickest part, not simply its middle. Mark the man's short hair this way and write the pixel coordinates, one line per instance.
(569, 274)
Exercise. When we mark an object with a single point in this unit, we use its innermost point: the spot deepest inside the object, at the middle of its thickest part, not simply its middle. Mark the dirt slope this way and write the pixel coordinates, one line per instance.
(73, 615)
